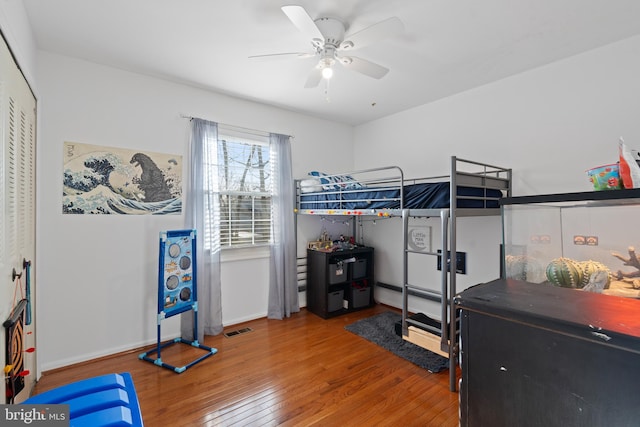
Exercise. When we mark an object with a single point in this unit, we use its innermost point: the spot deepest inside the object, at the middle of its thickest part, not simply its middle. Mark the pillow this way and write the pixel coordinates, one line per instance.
(310, 186)
(337, 182)
(351, 184)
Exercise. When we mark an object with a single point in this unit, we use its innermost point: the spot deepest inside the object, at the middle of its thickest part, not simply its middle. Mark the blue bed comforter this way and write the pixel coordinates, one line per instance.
(417, 196)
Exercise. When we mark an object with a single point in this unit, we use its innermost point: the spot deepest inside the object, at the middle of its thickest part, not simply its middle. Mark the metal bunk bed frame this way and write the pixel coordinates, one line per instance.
(428, 336)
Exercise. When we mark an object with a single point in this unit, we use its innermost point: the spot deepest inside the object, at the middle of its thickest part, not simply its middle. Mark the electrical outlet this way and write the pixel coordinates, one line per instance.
(461, 261)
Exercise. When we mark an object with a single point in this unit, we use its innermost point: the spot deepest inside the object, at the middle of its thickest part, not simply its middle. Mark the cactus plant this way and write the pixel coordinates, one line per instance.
(591, 267)
(564, 272)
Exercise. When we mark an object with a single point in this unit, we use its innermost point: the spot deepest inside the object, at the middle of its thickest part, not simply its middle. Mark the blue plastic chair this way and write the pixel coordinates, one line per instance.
(104, 401)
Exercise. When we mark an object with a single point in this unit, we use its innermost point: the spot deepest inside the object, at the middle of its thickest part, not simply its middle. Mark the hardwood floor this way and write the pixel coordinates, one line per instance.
(301, 371)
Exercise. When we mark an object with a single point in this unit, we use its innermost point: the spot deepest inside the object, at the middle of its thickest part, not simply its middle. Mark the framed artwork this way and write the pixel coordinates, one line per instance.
(120, 181)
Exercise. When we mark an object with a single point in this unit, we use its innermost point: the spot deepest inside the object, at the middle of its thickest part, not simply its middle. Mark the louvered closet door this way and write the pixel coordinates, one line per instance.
(17, 203)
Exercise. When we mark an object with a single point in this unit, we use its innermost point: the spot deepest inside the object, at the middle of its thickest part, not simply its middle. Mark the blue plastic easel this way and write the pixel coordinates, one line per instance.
(177, 292)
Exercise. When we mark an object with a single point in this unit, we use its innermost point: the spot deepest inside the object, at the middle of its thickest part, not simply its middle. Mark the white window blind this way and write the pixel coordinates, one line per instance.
(241, 184)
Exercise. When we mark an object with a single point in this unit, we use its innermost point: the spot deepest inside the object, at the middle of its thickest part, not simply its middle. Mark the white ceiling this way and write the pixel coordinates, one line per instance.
(448, 46)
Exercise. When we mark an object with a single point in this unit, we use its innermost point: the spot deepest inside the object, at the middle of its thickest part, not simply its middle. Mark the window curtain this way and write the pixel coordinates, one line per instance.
(283, 283)
(201, 211)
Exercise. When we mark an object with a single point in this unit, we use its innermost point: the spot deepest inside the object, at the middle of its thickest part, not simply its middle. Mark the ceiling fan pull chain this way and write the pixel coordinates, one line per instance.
(326, 91)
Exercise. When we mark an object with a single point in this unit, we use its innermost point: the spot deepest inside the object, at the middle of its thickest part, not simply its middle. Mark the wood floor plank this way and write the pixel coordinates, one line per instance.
(303, 370)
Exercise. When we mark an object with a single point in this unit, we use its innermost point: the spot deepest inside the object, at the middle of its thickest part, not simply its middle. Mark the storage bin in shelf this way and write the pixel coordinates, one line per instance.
(335, 300)
(338, 270)
(360, 294)
(359, 268)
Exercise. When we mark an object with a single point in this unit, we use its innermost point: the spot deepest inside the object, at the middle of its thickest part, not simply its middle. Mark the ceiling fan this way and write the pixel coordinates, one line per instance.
(329, 43)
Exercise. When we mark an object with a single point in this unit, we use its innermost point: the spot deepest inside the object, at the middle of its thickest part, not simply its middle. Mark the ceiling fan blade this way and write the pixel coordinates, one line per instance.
(383, 29)
(279, 56)
(363, 66)
(314, 78)
(301, 19)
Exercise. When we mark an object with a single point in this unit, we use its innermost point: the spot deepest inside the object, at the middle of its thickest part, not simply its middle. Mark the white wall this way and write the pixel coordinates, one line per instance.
(16, 30)
(98, 274)
(549, 124)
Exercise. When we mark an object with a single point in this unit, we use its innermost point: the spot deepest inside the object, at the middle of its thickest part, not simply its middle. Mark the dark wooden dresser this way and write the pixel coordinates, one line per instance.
(538, 355)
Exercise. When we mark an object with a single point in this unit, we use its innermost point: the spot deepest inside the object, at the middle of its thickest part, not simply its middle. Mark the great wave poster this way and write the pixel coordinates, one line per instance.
(106, 180)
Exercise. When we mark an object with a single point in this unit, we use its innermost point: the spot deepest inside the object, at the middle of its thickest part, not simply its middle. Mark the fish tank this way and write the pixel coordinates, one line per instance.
(582, 241)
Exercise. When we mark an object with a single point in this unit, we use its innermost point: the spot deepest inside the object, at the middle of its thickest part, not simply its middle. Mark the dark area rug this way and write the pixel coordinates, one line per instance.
(379, 329)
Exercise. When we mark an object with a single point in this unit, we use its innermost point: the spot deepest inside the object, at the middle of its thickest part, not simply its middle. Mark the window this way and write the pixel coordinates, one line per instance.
(241, 171)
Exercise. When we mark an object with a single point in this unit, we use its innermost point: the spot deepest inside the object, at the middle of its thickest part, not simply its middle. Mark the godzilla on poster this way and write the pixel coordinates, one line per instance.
(107, 180)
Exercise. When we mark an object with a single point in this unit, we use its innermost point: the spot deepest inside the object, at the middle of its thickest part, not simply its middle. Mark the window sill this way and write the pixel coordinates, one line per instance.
(240, 254)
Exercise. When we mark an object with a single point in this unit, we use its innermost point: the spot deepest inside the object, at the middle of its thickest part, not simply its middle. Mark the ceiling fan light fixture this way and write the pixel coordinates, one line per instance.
(326, 65)
(328, 39)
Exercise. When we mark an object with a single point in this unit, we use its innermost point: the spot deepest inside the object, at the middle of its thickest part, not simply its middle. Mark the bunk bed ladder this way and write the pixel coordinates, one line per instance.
(424, 334)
